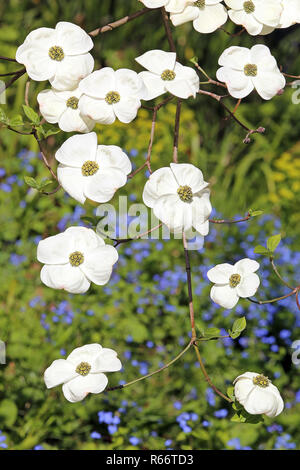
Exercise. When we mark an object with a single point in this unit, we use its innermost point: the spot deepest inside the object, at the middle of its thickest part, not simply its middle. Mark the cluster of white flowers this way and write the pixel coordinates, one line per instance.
(179, 196)
(256, 16)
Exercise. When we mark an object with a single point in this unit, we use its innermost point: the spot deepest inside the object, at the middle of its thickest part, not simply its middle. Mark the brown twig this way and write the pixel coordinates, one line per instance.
(176, 131)
(125, 240)
(120, 22)
(15, 78)
(7, 58)
(226, 221)
(45, 160)
(247, 140)
(297, 298)
(262, 302)
(192, 319)
(166, 22)
(278, 274)
(11, 73)
(233, 35)
(26, 97)
(189, 283)
(147, 163)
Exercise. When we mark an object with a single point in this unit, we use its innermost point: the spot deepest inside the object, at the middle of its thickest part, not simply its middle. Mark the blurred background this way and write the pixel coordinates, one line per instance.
(142, 313)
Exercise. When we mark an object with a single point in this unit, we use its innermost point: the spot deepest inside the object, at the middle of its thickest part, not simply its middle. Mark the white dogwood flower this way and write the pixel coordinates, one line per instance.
(258, 395)
(170, 5)
(244, 70)
(62, 107)
(206, 15)
(83, 371)
(75, 258)
(165, 74)
(290, 14)
(109, 94)
(233, 282)
(179, 197)
(257, 16)
(91, 171)
(60, 55)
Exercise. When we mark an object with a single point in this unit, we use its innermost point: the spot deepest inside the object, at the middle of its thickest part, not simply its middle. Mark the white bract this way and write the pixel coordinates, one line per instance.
(91, 171)
(165, 74)
(179, 197)
(60, 55)
(75, 258)
(290, 14)
(258, 395)
(257, 16)
(244, 70)
(109, 94)
(207, 15)
(83, 371)
(170, 5)
(62, 107)
(233, 282)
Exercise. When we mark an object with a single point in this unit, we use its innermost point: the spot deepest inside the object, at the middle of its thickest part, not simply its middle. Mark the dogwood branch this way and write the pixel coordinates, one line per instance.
(278, 274)
(147, 163)
(153, 373)
(192, 319)
(166, 22)
(176, 131)
(120, 22)
(125, 240)
(45, 160)
(224, 221)
(261, 302)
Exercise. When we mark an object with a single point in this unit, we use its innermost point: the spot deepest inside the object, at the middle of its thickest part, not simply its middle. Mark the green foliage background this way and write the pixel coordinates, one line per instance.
(263, 175)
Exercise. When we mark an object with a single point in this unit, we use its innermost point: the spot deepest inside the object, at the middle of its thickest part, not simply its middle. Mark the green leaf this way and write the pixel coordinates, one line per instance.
(46, 130)
(31, 114)
(44, 183)
(273, 242)
(237, 328)
(31, 182)
(261, 250)
(16, 121)
(39, 186)
(210, 333)
(3, 117)
(194, 60)
(230, 393)
(254, 213)
(243, 417)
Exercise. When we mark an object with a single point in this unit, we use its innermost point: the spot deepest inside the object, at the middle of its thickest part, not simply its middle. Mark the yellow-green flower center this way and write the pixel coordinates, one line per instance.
(185, 193)
(250, 70)
(261, 381)
(73, 102)
(56, 53)
(234, 280)
(76, 258)
(168, 75)
(249, 7)
(200, 3)
(83, 368)
(112, 97)
(89, 168)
